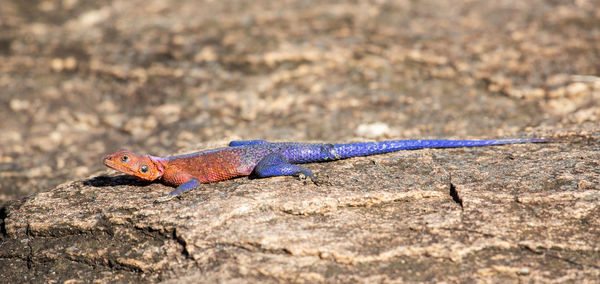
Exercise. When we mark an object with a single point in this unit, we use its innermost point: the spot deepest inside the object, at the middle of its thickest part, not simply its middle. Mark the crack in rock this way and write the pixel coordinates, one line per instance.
(455, 197)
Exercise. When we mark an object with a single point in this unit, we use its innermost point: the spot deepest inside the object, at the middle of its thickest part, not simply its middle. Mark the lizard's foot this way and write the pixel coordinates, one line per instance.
(315, 179)
(164, 198)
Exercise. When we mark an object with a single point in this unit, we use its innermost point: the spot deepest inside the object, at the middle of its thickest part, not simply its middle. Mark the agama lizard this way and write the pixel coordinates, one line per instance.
(264, 159)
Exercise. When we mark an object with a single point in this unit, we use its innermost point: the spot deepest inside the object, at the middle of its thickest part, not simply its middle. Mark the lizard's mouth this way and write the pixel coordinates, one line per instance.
(142, 167)
(115, 161)
(109, 162)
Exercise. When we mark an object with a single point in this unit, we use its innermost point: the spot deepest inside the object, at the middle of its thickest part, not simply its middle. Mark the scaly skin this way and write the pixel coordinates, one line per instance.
(264, 159)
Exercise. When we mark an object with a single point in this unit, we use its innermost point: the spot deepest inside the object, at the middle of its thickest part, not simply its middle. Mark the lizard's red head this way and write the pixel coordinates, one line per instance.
(141, 166)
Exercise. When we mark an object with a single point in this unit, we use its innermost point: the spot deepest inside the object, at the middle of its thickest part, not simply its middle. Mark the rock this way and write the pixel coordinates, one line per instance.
(80, 79)
(386, 217)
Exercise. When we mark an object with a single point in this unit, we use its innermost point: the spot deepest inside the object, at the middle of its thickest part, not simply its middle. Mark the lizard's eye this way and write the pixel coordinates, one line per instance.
(125, 159)
(144, 169)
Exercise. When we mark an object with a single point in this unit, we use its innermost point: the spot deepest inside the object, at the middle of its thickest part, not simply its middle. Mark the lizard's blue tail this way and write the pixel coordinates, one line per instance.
(343, 151)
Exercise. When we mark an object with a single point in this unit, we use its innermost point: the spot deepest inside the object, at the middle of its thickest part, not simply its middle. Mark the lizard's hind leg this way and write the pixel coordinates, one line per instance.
(277, 165)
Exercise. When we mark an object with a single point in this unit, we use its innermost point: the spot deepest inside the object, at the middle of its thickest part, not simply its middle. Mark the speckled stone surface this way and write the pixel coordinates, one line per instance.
(81, 79)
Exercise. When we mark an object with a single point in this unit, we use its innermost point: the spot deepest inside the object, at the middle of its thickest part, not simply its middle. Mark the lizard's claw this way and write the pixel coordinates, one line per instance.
(314, 179)
(164, 198)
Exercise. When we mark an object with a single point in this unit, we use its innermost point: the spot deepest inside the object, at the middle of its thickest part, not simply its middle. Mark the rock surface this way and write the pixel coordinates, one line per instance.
(80, 79)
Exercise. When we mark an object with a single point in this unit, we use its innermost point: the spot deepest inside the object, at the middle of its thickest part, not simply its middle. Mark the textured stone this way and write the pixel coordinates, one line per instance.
(80, 79)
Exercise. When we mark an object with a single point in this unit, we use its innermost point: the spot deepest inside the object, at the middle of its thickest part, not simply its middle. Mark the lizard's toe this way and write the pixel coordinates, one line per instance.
(318, 180)
(164, 198)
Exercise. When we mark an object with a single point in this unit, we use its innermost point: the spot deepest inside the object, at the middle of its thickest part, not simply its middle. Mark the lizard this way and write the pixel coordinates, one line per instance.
(264, 159)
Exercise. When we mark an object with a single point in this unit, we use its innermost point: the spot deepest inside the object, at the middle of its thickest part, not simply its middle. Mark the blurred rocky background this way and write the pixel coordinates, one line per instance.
(80, 79)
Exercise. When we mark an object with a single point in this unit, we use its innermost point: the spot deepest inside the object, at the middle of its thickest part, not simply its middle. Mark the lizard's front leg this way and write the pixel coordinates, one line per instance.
(187, 186)
(190, 184)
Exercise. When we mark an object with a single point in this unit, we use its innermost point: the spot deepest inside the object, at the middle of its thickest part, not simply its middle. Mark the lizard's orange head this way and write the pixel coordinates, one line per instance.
(141, 166)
